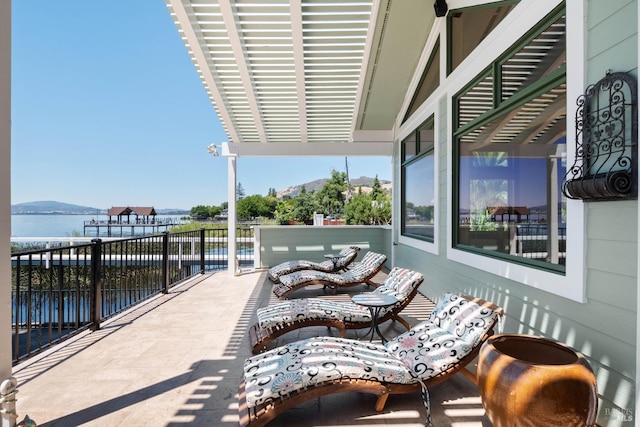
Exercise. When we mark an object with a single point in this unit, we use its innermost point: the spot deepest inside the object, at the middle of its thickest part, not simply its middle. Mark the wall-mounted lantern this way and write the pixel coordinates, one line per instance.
(606, 159)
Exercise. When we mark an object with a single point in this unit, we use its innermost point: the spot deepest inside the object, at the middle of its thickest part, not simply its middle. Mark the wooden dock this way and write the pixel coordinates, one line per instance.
(127, 228)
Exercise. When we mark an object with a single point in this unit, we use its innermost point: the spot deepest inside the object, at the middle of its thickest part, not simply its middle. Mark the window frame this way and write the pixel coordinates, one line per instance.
(420, 155)
(554, 80)
(435, 58)
(449, 68)
(524, 19)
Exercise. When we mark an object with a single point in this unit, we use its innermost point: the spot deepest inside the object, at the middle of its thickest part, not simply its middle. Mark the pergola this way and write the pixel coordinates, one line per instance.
(312, 77)
(138, 211)
(294, 78)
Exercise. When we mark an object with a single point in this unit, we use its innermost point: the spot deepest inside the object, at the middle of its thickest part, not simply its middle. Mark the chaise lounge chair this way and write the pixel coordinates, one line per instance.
(336, 262)
(363, 272)
(278, 319)
(427, 354)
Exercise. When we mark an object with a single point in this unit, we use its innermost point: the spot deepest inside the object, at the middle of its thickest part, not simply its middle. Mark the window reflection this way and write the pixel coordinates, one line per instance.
(510, 172)
(418, 212)
(418, 183)
(470, 26)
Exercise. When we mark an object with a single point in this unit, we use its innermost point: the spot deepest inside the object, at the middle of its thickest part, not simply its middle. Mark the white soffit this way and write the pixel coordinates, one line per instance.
(285, 73)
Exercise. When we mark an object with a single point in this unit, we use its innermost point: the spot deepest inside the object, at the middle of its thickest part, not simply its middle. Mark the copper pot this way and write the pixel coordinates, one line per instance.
(526, 380)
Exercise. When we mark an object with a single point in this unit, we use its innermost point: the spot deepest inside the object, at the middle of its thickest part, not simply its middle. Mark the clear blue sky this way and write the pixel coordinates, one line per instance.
(108, 110)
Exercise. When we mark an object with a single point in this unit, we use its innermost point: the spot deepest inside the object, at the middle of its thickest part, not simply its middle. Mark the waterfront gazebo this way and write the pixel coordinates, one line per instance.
(119, 213)
(145, 214)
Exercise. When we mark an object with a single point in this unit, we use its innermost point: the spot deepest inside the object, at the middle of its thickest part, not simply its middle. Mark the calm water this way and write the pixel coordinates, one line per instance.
(58, 225)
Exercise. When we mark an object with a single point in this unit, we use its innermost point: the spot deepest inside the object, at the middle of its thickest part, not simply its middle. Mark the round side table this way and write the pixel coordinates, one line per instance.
(375, 302)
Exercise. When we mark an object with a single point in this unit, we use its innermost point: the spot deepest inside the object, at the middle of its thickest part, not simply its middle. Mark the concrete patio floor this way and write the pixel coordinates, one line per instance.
(177, 360)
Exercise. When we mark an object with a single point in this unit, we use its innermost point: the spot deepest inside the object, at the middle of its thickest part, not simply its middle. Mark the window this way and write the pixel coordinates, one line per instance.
(511, 155)
(468, 27)
(418, 183)
(428, 82)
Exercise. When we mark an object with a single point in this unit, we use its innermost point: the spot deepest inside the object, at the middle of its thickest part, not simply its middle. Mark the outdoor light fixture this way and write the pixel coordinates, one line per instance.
(441, 8)
(213, 149)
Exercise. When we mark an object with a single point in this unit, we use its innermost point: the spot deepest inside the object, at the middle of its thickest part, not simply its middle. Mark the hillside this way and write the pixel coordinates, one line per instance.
(60, 208)
(52, 207)
(363, 182)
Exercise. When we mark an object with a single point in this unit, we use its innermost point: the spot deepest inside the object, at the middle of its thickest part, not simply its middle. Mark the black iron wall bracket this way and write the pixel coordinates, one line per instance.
(606, 158)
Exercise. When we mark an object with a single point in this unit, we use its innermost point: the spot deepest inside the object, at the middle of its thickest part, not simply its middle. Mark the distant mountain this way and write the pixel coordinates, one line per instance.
(364, 182)
(52, 207)
(169, 211)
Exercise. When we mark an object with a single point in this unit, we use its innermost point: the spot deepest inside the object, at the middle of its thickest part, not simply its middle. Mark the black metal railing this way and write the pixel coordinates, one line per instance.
(59, 292)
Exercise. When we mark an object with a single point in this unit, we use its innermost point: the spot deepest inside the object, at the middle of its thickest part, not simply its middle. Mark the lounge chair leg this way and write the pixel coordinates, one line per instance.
(470, 376)
(372, 284)
(401, 320)
(382, 400)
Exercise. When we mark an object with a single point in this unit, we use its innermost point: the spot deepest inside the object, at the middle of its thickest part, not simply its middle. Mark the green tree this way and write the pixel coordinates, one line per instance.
(380, 204)
(424, 212)
(285, 211)
(331, 195)
(377, 193)
(202, 211)
(305, 205)
(369, 209)
(256, 206)
(199, 211)
(272, 193)
(270, 203)
(358, 210)
(381, 210)
(240, 193)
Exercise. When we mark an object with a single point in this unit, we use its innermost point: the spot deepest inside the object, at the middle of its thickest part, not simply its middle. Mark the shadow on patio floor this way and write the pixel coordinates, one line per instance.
(177, 360)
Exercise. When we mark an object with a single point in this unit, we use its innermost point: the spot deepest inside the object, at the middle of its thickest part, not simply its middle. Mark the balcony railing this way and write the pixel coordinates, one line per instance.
(60, 291)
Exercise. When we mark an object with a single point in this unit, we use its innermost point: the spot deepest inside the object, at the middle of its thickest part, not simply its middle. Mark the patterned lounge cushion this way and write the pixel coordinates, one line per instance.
(463, 318)
(294, 279)
(455, 326)
(428, 350)
(400, 283)
(310, 362)
(289, 266)
(370, 264)
(282, 314)
(346, 256)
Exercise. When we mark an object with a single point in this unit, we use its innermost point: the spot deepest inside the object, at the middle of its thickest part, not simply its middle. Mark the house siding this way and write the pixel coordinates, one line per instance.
(603, 328)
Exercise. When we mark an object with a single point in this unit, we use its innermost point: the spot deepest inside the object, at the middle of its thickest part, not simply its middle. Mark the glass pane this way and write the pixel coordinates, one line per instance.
(510, 172)
(409, 147)
(418, 200)
(469, 27)
(428, 83)
(426, 137)
(476, 101)
(540, 57)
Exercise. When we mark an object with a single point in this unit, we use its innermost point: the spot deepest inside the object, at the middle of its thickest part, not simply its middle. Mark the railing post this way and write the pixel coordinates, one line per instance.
(202, 249)
(8, 390)
(96, 282)
(165, 262)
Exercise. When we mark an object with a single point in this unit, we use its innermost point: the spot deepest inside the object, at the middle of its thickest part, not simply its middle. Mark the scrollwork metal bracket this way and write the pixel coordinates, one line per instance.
(606, 158)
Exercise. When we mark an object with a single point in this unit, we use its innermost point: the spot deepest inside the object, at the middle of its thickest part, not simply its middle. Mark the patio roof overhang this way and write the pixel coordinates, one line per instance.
(312, 77)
